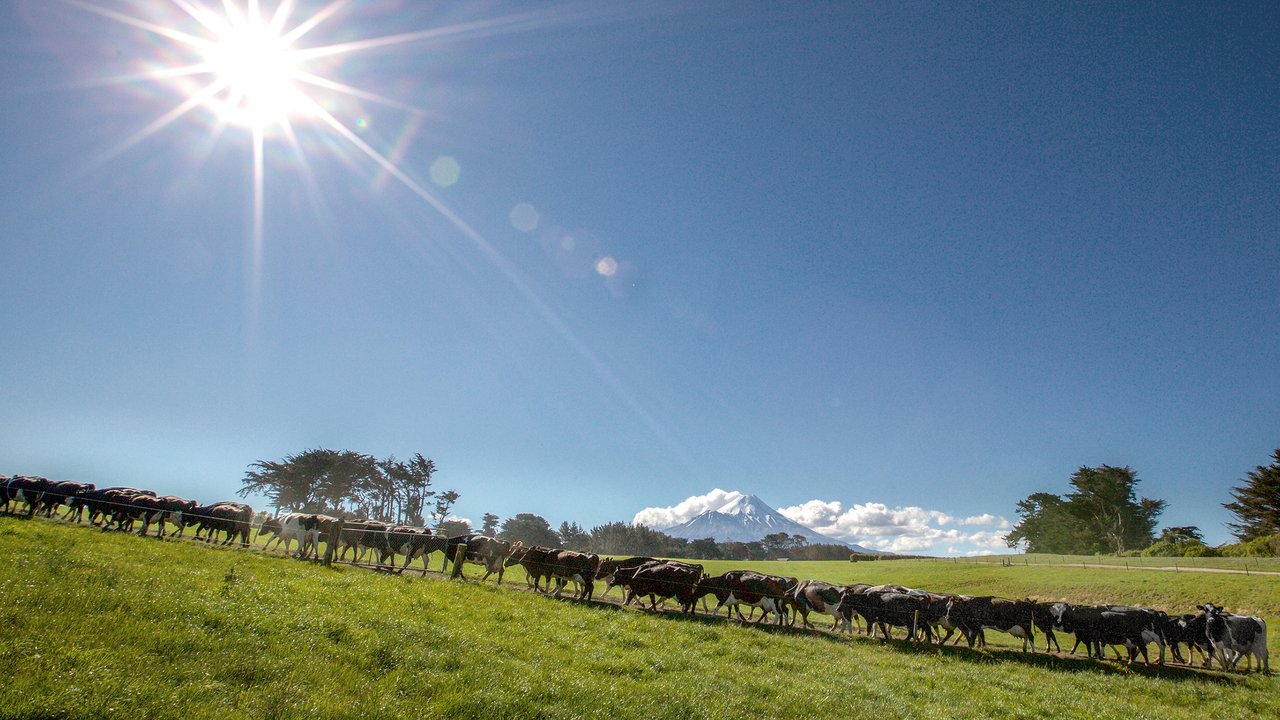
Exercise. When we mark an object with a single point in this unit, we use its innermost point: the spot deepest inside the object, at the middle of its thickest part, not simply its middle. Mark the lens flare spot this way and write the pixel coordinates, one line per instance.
(607, 266)
(362, 123)
(524, 217)
(445, 171)
(567, 243)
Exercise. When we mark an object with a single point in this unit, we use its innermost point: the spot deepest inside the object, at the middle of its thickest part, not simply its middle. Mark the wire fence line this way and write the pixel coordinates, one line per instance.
(1240, 565)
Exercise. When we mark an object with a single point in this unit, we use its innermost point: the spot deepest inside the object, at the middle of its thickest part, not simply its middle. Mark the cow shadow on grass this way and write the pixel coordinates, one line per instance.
(1056, 662)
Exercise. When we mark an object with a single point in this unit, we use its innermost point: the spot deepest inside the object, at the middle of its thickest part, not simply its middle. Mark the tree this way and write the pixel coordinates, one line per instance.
(574, 537)
(775, 543)
(1106, 504)
(1047, 526)
(329, 481)
(490, 527)
(734, 550)
(343, 482)
(453, 528)
(620, 538)
(704, 549)
(444, 503)
(1181, 541)
(1181, 534)
(1257, 502)
(1102, 514)
(529, 529)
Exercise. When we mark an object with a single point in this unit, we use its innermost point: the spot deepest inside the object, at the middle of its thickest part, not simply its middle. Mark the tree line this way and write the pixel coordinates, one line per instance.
(1103, 514)
(351, 484)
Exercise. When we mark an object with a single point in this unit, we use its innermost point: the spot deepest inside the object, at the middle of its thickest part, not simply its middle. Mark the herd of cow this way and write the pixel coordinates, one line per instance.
(1214, 633)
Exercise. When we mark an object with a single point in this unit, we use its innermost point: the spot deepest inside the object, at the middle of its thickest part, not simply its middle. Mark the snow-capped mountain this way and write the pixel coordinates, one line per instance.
(747, 519)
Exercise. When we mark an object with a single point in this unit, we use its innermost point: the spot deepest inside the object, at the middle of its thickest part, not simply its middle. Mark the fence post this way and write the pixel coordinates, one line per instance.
(459, 556)
(334, 538)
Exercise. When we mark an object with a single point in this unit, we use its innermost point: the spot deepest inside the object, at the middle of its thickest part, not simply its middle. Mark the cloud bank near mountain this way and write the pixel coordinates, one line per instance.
(908, 529)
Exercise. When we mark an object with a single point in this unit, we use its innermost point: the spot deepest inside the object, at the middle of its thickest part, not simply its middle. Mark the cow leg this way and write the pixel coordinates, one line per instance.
(408, 558)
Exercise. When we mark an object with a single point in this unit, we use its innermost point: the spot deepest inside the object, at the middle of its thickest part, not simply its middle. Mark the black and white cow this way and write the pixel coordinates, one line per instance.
(413, 542)
(304, 528)
(974, 615)
(824, 599)
(1232, 637)
(481, 550)
(736, 588)
(909, 610)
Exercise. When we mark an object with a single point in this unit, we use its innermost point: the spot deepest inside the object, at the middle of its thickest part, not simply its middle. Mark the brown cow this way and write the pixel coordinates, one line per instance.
(537, 562)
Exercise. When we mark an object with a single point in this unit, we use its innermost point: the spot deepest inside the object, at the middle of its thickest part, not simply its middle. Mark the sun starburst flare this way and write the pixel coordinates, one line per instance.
(249, 68)
(246, 64)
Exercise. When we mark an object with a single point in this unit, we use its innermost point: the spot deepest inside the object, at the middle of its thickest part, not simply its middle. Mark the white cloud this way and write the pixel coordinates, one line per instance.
(978, 553)
(865, 519)
(988, 539)
(909, 529)
(987, 519)
(660, 518)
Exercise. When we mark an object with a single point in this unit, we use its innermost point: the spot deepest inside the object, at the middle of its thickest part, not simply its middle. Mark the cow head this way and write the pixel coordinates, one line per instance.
(516, 556)
(271, 525)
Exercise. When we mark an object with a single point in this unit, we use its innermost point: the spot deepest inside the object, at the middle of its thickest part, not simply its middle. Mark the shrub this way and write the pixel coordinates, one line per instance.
(1170, 548)
(1268, 546)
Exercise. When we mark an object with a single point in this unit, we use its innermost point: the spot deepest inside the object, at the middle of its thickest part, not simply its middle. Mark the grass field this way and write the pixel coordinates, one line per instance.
(99, 624)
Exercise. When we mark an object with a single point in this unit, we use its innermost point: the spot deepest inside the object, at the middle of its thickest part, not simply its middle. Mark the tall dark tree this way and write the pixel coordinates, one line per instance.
(343, 482)
(1257, 502)
(1105, 501)
(619, 538)
(490, 526)
(573, 537)
(1181, 534)
(1047, 526)
(453, 528)
(1102, 514)
(734, 550)
(415, 488)
(776, 543)
(704, 549)
(529, 529)
(444, 503)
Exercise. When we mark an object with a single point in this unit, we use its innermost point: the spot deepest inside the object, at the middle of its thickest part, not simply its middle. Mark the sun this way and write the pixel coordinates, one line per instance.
(256, 68)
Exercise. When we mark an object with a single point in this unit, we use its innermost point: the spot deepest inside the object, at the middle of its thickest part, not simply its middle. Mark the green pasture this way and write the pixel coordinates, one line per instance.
(97, 624)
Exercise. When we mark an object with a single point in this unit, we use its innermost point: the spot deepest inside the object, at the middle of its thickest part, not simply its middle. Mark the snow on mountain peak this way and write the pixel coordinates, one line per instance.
(744, 505)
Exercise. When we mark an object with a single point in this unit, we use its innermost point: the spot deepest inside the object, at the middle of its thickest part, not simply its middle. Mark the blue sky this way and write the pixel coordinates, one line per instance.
(906, 256)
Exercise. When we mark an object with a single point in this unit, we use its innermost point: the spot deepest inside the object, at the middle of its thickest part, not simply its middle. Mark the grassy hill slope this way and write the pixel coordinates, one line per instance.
(99, 624)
